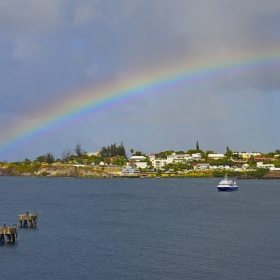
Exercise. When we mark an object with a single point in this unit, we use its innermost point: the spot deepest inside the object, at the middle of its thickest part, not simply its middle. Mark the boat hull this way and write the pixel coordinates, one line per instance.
(227, 188)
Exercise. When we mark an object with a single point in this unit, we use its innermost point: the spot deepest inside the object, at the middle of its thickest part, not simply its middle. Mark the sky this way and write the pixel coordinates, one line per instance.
(173, 72)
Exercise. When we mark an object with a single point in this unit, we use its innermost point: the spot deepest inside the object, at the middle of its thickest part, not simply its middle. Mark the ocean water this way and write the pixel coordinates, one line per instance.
(141, 229)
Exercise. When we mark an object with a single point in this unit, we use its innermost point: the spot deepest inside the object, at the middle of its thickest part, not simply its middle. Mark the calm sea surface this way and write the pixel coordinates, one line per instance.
(141, 229)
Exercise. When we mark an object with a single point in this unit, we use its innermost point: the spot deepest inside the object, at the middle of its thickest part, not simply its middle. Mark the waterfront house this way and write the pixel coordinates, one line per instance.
(208, 166)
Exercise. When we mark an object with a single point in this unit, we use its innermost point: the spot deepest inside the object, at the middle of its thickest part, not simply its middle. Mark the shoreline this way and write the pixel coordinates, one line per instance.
(91, 172)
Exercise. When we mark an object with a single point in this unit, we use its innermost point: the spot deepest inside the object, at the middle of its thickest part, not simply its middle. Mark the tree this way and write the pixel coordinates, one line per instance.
(113, 150)
(72, 157)
(65, 155)
(36, 167)
(78, 150)
(97, 160)
(228, 152)
(27, 161)
(121, 150)
(119, 161)
(165, 154)
(49, 158)
(41, 158)
(197, 145)
(132, 151)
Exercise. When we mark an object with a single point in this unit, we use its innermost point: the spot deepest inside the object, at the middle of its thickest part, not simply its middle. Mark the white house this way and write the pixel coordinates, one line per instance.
(247, 155)
(175, 158)
(196, 156)
(141, 164)
(157, 162)
(201, 166)
(216, 156)
(219, 166)
(139, 161)
(207, 166)
(269, 166)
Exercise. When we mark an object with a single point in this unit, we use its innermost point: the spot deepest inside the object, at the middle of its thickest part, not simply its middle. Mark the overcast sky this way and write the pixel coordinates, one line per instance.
(48, 49)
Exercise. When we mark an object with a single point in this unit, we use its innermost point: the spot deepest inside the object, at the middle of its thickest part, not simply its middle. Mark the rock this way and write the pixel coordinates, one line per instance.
(4, 172)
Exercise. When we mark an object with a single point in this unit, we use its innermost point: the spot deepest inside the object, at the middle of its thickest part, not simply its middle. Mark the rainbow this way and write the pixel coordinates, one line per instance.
(95, 98)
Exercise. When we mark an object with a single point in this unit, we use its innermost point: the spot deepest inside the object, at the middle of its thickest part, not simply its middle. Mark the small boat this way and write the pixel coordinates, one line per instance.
(227, 185)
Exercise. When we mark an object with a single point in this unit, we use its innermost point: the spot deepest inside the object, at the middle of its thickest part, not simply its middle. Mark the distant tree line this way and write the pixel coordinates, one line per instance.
(111, 150)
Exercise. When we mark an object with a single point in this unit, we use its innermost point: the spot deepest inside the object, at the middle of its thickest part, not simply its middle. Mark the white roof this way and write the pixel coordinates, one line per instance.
(137, 157)
(216, 155)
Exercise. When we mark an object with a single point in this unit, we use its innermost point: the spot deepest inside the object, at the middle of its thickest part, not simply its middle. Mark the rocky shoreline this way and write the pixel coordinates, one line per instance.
(4, 172)
(268, 176)
(55, 171)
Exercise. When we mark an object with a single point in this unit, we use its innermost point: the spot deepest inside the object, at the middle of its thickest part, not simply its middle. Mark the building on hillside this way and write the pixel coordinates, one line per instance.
(139, 161)
(209, 166)
(196, 156)
(201, 166)
(137, 158)
(152, 157)
(157, 163)
(270, 166)
(265, 158)
(245, 155)
(141, 164)
(216, 156)
(219, 166)
(175, 158)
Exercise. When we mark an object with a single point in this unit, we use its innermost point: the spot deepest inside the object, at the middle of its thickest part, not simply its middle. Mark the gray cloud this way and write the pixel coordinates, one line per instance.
(49, 47)
(18, 18)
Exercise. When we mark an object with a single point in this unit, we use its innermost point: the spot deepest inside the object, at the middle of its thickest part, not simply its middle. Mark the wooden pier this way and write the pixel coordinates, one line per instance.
(28, 218)
(8, 233)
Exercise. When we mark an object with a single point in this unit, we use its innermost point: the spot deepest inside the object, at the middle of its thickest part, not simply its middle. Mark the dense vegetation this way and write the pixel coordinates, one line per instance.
(113, 150)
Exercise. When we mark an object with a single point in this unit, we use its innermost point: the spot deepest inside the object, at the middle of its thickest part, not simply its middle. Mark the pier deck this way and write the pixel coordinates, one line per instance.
(8, 233)
(28, 217)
